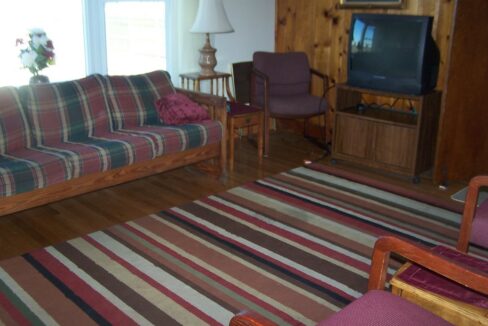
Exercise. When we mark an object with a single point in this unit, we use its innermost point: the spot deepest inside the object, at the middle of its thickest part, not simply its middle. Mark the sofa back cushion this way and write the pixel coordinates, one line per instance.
(14, 128)
(132, 98)
(67, 111)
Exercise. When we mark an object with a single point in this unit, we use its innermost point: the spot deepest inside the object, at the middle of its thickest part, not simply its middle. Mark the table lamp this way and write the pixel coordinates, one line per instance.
(211, 18)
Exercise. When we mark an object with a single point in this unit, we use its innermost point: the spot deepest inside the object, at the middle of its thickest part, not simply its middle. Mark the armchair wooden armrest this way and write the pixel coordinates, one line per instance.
(470, 210)
(249, 318)
(465, 275)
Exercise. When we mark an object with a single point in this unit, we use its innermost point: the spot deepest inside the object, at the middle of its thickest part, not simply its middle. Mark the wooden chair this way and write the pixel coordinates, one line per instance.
(241, 114)
(379, 307)
(474, 226)
(281, 85)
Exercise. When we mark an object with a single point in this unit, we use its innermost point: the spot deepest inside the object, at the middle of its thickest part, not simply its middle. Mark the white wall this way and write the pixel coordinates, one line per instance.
(254, 30)
(253, 22)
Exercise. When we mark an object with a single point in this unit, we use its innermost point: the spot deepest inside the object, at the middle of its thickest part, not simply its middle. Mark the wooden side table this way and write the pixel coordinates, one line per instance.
(192, 81)
(454, 311)
(244, 116)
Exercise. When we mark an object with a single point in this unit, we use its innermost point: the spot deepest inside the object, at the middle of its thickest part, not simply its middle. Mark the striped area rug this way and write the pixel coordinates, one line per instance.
(294, 247)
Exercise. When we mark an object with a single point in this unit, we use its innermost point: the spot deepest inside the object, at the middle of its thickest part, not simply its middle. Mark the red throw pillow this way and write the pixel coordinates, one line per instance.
(177, 109)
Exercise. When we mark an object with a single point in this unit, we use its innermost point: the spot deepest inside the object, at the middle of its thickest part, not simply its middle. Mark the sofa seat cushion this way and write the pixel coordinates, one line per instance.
(109, 151)
(32, 168)
(171, 139)
(14, 128)
(67, 111)
(132, 98)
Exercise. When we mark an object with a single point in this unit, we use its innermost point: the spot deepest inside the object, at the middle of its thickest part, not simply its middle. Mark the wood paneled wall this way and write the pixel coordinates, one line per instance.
(321, 29)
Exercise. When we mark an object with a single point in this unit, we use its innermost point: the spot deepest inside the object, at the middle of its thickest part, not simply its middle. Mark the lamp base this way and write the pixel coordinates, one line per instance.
(207, 59)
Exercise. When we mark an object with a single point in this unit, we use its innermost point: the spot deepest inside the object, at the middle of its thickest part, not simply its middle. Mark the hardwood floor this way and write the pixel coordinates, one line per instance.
(63, 220)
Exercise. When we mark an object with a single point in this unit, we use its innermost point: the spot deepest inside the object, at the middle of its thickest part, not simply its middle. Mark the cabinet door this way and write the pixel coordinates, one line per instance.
(395, 145)
(351, 136)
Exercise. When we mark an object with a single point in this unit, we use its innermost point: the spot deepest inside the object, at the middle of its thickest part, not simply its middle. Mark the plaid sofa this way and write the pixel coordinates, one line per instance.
(57, 132)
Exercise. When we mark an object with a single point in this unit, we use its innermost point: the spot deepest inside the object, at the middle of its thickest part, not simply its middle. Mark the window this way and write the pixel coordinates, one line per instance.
(135, 36)
(66, 32)
(103, 36)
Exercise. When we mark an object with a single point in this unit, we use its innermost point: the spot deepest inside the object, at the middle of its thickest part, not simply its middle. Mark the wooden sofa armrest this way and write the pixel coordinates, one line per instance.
(470, 210)
(462, 274)
(217, 105)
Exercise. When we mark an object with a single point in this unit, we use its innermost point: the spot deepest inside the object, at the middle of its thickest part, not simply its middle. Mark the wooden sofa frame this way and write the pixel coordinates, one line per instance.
(217, 108)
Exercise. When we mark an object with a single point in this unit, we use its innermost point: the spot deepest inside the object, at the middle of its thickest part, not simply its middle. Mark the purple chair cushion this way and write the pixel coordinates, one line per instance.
(425, 279)
(479, 233)
(298, 106)
(288, 73)
(377, 308)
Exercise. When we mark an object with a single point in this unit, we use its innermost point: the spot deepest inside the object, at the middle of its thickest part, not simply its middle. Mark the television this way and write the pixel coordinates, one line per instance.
(393, 53)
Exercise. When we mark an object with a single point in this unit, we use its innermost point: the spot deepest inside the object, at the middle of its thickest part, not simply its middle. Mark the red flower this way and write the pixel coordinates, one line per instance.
(49, 44)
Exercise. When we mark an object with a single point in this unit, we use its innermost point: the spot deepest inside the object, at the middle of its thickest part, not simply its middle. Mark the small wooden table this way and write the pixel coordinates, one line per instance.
(244, 116)
(217, 83)
(454, 311)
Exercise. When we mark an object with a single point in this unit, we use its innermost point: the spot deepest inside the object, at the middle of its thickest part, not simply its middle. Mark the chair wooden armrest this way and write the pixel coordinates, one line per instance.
(470, 210)
(465, 275)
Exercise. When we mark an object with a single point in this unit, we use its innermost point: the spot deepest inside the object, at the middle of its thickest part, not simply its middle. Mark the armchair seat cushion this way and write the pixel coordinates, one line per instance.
(31, 168)
(298, 106)
(380, 308)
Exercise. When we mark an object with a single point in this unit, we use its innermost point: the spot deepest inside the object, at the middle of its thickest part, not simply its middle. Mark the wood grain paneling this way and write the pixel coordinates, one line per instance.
(462, 150)
(321, 29)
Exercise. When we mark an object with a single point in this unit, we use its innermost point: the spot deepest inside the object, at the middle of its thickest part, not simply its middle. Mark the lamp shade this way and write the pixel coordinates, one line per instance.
(211, 18)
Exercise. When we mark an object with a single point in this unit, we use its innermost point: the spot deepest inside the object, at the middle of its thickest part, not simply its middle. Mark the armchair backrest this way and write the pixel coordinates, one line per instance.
(288, 73)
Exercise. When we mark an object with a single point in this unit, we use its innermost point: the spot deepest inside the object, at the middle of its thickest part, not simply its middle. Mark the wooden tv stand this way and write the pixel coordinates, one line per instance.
(395, 140)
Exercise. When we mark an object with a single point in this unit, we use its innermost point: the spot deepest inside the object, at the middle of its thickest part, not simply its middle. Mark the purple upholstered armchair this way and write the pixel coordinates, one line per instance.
(281, 86)
(474, 226)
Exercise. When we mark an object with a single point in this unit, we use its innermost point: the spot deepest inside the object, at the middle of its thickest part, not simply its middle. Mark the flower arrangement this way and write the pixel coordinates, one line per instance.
(38, 53)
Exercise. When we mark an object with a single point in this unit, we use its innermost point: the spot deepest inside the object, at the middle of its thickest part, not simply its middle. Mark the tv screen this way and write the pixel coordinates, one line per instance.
(392, 53)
